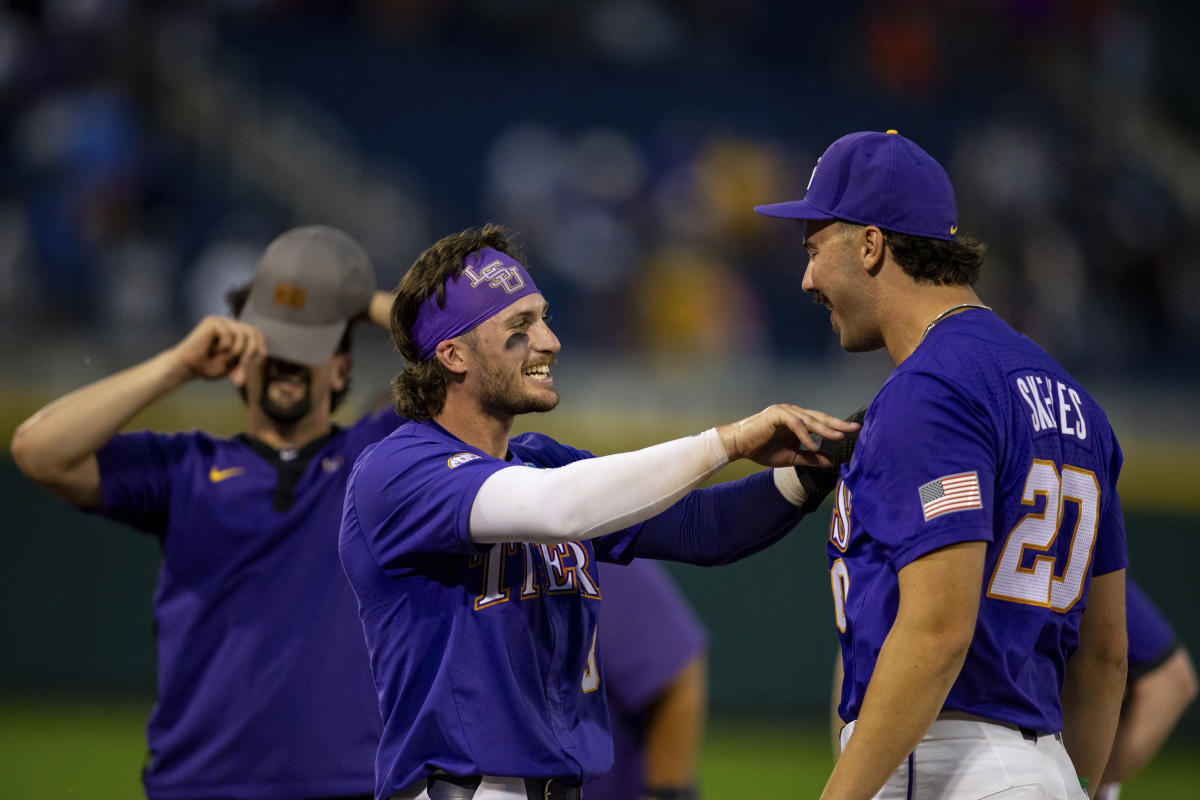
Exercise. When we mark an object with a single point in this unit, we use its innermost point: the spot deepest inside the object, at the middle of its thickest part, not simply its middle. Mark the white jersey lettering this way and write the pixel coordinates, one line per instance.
(1027, 395)
(530, 587)
(1053, 405)
(1080, 425)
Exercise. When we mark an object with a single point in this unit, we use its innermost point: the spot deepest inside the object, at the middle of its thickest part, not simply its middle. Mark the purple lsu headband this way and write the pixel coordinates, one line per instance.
(490, 282)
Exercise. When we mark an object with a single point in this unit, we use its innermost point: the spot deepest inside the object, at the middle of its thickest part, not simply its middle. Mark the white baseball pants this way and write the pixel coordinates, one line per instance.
(977, 760)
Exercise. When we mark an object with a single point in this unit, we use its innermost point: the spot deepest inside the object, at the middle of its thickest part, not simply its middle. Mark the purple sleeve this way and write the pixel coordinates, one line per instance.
(412, 499)
(648, 633)
(717, 525)
(923, 430)
(1151, 639)
(135, 480)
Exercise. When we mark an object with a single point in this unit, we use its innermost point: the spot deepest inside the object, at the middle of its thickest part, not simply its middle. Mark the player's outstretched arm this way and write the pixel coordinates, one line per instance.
(1095, 679)
(596, 496)
(1155, 702)
(674, 732)
(782, 436)
(56, 447)
(379, 310)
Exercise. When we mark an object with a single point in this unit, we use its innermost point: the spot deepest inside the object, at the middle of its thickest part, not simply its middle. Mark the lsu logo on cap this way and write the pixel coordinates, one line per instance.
(290, 296)
(497, 275)
(458, 459)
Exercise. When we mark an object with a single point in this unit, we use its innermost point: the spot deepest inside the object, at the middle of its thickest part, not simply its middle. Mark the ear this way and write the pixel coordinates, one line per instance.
(872, 249)
(453, 356)
(339, 377)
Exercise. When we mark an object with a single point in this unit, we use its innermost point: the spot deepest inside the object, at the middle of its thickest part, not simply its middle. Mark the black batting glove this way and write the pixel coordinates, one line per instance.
(820, 481)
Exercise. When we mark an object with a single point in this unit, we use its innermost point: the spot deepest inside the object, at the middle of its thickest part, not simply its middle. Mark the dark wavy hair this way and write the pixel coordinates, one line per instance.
(236, 298)
(936, 261)
(420, 388)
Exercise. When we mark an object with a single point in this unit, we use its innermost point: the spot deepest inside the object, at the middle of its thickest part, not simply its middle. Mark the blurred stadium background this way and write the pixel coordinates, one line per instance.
(151, 149)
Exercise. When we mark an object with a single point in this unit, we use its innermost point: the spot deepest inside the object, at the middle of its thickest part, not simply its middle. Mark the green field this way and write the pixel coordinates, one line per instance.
(91, 749)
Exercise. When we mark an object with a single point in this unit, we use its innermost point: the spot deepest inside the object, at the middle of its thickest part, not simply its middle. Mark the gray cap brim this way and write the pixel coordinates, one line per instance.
(307, 344)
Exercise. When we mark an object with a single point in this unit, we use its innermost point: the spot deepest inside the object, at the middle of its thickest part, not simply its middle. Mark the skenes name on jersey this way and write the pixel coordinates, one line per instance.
(1053, 404)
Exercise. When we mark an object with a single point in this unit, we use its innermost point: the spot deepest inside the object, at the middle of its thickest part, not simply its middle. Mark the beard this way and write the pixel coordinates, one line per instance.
(285, 413)
(505, 392)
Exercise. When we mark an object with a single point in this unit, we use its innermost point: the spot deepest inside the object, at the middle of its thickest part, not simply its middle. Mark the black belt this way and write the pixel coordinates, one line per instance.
(1031, 735)
(448, 787)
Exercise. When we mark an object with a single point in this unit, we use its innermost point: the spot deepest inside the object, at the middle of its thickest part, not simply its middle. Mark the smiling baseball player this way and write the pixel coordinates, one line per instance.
(473, 555)
(977, 546)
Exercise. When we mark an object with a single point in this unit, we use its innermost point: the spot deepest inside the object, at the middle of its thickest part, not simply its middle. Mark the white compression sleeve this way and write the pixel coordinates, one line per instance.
(594, 496)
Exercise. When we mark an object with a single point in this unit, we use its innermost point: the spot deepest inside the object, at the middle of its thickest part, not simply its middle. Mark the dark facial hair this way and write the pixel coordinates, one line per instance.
(285, 415)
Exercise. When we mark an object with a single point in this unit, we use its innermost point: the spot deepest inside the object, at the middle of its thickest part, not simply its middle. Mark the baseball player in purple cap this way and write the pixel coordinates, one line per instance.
(473, 555)
(977, 547)
(264, 685)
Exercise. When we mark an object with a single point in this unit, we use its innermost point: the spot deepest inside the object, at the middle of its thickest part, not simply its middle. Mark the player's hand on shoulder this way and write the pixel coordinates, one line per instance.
(220, 346)
(818, 482)
(783, 436)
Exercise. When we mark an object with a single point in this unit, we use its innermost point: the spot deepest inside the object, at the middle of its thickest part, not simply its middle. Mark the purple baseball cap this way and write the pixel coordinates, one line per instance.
(878, 179)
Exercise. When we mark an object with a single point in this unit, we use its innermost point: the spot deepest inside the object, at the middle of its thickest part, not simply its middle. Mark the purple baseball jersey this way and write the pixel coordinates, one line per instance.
(1151, 638)
(648, 633)
(264, 686)
(980, 436)
(484, 656)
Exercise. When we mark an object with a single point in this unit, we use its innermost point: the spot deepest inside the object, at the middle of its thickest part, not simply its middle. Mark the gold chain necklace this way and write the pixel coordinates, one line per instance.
(950, 310)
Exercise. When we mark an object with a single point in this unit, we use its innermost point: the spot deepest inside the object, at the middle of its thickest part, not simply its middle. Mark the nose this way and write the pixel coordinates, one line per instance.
(807, 283)
(544, 339)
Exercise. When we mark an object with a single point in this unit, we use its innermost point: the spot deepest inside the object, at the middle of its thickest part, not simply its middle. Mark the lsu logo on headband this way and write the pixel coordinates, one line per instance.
(490, 282)
(497, 274)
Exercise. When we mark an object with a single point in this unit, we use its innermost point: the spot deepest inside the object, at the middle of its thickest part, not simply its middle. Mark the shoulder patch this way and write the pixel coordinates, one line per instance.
(458, 459)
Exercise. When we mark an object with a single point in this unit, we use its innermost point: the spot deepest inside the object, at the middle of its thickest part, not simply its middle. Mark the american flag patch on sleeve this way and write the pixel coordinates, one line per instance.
(952, 493)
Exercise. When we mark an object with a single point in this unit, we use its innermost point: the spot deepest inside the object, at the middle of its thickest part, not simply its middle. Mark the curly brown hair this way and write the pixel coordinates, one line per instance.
(420, 388)
(936, 261)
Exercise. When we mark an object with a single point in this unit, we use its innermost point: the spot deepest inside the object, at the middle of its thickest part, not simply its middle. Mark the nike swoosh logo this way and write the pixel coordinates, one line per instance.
(217, 475)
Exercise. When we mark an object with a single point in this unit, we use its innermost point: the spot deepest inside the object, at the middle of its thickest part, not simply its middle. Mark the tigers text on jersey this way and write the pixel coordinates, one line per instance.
(484, 655)
(264, 686)
(980, 435)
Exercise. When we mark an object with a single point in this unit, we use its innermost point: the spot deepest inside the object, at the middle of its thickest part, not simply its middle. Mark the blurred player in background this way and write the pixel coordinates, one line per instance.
(1162, 684)
(264, 685)
(653, 656)
(473, 555)
(977, 547)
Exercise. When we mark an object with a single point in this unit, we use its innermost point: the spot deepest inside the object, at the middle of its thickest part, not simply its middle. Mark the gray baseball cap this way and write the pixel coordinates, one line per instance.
(308, 284)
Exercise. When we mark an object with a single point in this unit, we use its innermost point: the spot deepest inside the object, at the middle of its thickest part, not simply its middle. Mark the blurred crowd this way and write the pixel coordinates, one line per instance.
(152, 148)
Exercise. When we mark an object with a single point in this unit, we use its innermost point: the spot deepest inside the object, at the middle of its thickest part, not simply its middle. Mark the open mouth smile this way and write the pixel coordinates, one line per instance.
(540, 372)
